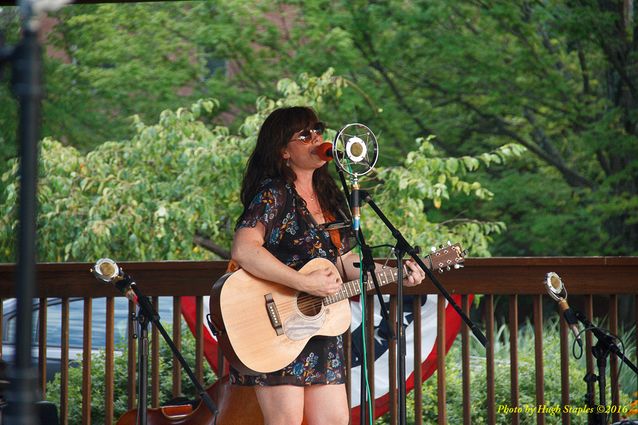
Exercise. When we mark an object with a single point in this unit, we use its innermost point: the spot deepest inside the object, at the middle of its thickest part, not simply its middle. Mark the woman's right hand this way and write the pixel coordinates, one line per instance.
(321, 282)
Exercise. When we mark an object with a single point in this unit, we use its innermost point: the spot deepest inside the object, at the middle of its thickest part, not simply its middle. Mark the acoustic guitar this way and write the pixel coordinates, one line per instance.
(262, 326)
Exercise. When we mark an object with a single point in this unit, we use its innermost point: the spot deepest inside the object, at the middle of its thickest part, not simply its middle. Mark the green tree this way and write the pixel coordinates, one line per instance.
(147, 197)
(558, 78)
(105, 63)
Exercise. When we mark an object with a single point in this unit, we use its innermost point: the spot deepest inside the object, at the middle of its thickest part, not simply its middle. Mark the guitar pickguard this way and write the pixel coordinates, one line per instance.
(298, 326)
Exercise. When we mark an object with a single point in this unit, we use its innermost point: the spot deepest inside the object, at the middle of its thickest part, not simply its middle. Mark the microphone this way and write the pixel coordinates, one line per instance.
(107, 271)
(557, 291)
(324, 151)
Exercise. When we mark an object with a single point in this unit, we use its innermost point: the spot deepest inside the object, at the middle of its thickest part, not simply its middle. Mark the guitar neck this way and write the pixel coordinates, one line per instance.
(350, 289)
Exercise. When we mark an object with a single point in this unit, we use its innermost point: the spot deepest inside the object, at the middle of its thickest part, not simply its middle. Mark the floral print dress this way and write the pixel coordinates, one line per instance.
(293, 236)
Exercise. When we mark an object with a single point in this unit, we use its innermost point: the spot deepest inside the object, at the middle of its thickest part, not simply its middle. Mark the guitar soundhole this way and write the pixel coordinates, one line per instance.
(309, 305)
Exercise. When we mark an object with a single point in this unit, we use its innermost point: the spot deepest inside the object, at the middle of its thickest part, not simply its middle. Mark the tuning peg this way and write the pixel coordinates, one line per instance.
(448, 268)
(458, 266)
(449, 243)
(433, 249)
(440, 270)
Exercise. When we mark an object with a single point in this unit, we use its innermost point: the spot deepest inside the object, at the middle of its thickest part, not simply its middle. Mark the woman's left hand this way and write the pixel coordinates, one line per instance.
(415, 274)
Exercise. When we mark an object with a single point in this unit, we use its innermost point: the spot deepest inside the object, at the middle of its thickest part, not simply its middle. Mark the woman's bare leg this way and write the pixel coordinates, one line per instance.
(326, 404)
(281, 404)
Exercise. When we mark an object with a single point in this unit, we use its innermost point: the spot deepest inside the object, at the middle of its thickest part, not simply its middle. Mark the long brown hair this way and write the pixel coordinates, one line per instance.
(266, 160)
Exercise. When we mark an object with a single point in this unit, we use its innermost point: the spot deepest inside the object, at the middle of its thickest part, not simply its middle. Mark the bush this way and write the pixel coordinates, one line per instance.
(121, 380)
(527, 381)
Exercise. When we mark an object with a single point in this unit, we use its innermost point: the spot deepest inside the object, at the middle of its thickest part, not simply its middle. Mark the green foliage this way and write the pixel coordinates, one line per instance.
(423, 182)
(561, 223)
(526, 377)
(107, 62)
(555, 77)
(147, 197)
(478, 76)
(144, 198)
(120, 370)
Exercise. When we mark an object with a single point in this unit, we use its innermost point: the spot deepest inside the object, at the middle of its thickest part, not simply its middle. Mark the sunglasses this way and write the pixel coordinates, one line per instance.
(307, 135)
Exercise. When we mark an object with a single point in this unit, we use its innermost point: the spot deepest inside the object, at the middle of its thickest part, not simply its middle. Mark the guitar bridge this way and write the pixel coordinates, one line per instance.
(273, 314)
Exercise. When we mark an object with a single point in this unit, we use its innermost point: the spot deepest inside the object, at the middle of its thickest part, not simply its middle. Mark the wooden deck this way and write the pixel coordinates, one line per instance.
(598, 285)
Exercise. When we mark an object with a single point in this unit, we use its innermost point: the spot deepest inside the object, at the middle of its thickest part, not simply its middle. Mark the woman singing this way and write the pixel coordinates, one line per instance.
(288, 196)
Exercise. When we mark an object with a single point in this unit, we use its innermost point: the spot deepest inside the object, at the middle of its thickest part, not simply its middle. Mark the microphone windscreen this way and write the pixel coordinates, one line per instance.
(324, 151)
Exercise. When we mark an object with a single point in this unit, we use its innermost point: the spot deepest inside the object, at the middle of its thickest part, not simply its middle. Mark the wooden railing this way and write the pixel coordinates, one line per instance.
(598, 282)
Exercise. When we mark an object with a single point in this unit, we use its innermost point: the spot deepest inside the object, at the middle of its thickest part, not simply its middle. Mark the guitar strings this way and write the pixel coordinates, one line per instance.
(306, 301)
(311, 301)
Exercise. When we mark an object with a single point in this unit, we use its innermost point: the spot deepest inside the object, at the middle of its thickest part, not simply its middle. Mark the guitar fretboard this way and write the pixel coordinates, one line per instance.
(449, 256)
(352, 288)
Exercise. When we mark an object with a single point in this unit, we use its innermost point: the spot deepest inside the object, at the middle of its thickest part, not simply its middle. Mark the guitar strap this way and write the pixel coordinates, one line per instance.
(335, 236)
(232, 266)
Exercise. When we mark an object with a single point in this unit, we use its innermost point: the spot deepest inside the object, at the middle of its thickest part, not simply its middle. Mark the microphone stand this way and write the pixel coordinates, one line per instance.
(604, 346)
(367, 267)
(401, 248)
(142, 365)
(145, 315)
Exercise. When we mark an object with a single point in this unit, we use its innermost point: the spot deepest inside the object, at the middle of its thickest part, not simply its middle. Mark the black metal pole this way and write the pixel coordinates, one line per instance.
(601, 354)
(142, 367)
(363, 393)
(26, 86)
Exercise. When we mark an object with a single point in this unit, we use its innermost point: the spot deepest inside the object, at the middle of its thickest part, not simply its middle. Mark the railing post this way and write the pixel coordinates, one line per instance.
(42, 346)
(392, 359)
(155, 372)
(86, 361)
(177, 339)
(109, 362)
(199, 338)
(489, 324)
(440, 361)
(64, 364)
(538, 350)
(418, 382)
(513, 328)
(465, 359)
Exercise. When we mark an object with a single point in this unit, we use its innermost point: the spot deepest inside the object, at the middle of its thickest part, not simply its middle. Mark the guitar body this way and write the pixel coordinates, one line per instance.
(263, 326)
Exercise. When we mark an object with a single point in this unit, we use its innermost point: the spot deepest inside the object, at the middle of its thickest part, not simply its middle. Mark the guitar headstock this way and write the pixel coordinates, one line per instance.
(447, 257)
